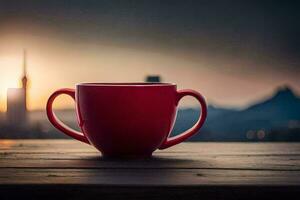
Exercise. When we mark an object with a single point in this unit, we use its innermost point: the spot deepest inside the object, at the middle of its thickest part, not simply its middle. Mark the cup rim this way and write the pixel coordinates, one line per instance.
(127, 84)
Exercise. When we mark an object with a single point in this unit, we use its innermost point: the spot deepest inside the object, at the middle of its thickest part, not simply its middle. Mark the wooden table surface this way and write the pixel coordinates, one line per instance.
(71, 170)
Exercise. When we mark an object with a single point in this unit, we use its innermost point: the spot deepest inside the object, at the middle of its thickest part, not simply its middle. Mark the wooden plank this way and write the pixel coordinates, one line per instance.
(72, 154)
(70, 169)
(165, 161)
(216, 148)
(148, 177)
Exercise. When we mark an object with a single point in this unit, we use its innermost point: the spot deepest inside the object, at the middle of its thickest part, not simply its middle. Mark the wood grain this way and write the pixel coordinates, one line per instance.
(194, 169)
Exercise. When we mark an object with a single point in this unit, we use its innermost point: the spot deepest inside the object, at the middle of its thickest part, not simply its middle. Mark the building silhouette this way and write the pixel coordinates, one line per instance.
(153, 79)
(17, 101)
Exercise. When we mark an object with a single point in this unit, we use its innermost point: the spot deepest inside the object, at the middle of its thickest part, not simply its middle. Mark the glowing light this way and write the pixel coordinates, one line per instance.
(261, 134)
(250, 134)
(6, 144)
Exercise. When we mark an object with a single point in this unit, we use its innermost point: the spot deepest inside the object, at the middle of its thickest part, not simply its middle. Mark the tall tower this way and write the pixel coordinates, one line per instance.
(24, 78)
(17, 101)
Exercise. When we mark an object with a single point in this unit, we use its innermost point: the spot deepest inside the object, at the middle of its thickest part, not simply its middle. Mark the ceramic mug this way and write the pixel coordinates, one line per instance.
(126, 119)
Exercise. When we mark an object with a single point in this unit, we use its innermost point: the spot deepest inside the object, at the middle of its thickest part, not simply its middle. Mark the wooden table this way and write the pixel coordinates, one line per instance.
(49, 169)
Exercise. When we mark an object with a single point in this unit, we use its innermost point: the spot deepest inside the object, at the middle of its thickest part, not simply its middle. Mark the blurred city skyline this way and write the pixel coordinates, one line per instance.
(234, 54)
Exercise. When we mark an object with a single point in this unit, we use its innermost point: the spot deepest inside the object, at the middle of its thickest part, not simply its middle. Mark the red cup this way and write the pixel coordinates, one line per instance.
(126, 119)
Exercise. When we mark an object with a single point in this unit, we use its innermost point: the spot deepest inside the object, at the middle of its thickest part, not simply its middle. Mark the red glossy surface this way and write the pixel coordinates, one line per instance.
(129, 119)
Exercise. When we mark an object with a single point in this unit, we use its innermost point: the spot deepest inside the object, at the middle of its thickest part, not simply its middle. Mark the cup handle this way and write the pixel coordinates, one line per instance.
(193, 130)
(59, 124)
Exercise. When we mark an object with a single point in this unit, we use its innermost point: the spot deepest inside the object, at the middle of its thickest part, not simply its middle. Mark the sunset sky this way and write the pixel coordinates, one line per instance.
(233, 53)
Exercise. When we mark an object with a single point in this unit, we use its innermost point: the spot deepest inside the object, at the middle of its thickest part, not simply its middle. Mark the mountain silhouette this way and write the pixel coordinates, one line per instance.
(274, 113)
(283, 105)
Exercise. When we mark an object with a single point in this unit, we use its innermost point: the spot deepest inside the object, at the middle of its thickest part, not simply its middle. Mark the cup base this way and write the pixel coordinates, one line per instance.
(125, 156)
